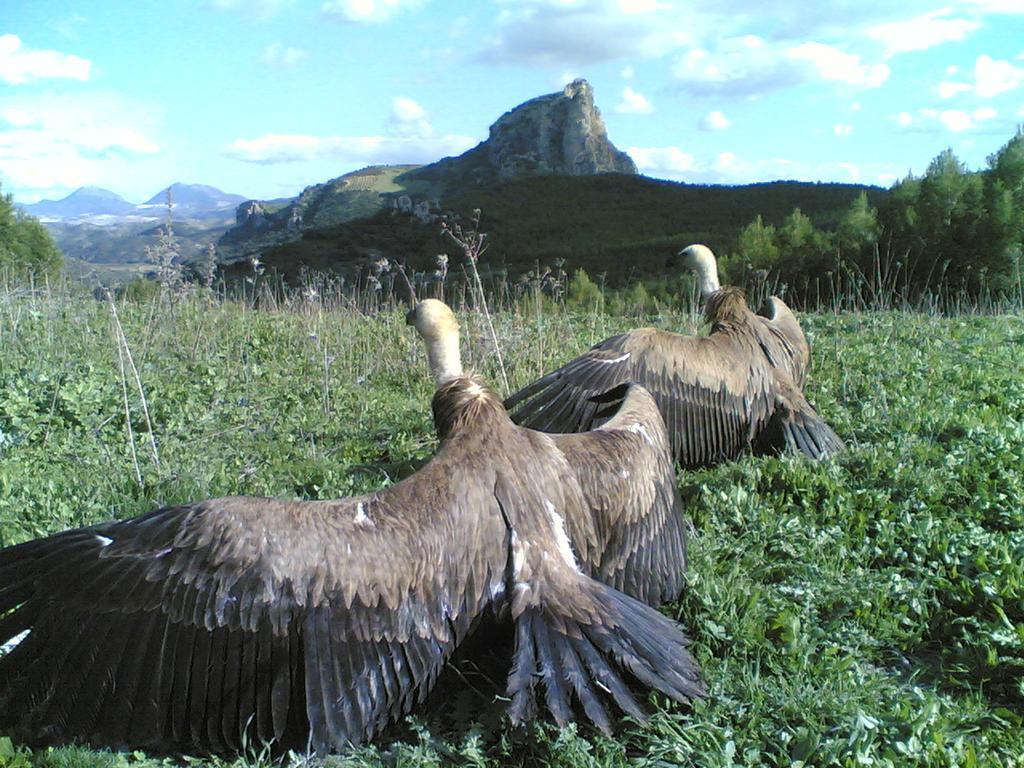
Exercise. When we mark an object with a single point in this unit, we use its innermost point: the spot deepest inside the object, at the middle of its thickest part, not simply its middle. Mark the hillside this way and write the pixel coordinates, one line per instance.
(126, 243)
(558, 134)
(620, 225)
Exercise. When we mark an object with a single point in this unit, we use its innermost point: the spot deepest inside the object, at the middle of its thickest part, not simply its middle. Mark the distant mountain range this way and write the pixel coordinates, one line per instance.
(101, 207)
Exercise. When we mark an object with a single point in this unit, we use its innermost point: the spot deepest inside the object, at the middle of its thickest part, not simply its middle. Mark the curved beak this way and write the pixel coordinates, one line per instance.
(410, 317)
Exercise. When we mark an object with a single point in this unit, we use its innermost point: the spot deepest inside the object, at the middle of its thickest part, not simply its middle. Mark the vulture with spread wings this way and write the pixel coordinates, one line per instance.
(316, 623)
(738, 388)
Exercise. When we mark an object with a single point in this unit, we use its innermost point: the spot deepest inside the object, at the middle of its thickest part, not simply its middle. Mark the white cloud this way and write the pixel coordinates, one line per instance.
(409, 119)
(18, 117)
(670, 162)
(19, 65)
(715, 121)
(271, 148)
(581, 33)
(366, 11)
(993, 77)
(748, 66)
(904, 119)
(922, 32)
(278, 55)
(852, 170)
(839, 66)
(730, 168)
(634, 103)
(627, 73)
(738, 67)
(957, 120)
(407, 110)
(842, 130)
(60, 142)
(949, 89)
(997, 6)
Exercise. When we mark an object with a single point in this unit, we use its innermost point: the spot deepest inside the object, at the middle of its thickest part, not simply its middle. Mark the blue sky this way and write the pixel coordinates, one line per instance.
(264, 97)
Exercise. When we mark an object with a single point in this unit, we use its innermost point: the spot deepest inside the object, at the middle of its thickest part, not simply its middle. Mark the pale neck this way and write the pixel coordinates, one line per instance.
(443, 354)
(707, 276)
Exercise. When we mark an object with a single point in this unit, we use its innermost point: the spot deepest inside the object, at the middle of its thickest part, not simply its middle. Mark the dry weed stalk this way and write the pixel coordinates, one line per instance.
(473, 244)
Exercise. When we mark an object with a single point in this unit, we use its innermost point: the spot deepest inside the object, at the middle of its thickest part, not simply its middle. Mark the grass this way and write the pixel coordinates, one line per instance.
(867, 610)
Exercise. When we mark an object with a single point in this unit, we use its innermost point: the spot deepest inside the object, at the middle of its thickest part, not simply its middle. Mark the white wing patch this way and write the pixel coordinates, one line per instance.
(11, 644)
(614, 360)
(105, 541)
(641, 430)
(361, 517)
(561, 539)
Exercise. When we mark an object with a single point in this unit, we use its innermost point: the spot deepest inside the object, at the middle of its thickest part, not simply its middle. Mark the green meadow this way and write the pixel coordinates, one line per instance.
(863, 611)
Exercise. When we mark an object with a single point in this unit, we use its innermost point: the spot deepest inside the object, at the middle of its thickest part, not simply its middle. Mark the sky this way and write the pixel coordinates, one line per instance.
(264, 97)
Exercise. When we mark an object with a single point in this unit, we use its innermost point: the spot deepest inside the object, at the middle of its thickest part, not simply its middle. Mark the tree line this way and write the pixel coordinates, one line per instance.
(948, 229)
(26, 248)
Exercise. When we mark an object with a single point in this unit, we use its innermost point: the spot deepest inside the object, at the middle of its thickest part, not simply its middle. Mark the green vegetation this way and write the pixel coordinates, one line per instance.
(950, 229)
(621, 227)
(867, 610)
(950, 236)
(26, 248)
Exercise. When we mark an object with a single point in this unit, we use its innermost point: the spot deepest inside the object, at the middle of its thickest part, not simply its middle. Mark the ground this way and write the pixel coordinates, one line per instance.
(866, 610)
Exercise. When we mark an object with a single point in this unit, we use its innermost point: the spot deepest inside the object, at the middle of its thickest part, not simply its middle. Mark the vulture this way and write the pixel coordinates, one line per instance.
(739, 387)
(314, 624)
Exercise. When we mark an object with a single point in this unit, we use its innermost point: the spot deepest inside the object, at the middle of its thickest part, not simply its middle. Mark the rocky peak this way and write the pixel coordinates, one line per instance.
(559, 133)
(251, 214)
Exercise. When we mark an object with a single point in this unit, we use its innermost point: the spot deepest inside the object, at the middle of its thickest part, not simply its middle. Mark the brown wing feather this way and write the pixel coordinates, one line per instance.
(796, 426)
(633, 535)
(321, 621)
(714, 392)
(278, 618)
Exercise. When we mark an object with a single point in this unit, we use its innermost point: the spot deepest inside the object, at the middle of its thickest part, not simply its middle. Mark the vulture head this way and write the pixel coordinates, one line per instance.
(700, 260)
(437, 325)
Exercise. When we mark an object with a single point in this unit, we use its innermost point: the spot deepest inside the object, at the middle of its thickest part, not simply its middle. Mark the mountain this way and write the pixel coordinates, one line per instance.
(193, 201)
(98, 227)
(83, 202)
(559, 134)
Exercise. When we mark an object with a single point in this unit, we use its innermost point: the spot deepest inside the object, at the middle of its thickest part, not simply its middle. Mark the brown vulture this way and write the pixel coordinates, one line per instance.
(313, 624)
(738, 388)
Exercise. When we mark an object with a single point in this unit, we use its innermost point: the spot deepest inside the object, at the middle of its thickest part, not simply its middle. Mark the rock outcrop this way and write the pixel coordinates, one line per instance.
(251, 215)
(560, 133)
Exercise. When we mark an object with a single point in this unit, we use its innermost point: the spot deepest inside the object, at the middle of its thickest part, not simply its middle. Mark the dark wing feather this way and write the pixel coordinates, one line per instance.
(267, 618)
(633, 535)
(796, 426)
(714, 392)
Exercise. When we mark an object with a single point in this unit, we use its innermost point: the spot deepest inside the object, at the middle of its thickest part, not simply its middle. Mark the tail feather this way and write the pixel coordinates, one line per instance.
(807, 433)
(626, 641)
